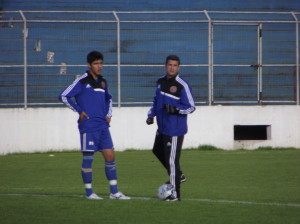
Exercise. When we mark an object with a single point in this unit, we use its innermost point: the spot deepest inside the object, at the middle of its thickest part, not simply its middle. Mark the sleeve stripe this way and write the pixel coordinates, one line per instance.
(188, 111)
(109, 114)
(187, 90)
(68, 90)
(189, 95)
(65, 101)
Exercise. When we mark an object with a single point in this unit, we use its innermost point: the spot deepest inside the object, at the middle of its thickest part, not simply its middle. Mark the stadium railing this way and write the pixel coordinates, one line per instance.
(229, 58)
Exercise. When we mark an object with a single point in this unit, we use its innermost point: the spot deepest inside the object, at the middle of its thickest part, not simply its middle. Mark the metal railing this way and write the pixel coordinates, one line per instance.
(217, 49)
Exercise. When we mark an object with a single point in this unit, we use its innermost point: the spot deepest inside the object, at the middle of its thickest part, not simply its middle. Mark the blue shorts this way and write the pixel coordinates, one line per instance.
(96, 141)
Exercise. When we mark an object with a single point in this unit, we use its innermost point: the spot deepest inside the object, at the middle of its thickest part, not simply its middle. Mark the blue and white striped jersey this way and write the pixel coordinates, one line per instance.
(92, 97)
(175, 92)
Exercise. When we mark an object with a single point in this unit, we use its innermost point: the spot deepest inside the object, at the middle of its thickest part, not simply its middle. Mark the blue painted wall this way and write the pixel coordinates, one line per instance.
(149, 44)
(146, 5)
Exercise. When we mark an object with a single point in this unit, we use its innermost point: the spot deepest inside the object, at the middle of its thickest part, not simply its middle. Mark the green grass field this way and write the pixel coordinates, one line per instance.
(260, 186)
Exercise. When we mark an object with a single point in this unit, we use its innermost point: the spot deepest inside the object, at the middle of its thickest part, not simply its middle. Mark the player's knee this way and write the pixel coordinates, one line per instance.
(110, 159)
(108, 155)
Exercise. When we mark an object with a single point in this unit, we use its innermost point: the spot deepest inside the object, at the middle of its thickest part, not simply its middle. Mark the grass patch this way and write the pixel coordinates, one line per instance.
(257, 186)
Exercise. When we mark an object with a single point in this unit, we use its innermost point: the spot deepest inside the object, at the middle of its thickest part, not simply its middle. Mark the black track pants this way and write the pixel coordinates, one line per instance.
(168, 149)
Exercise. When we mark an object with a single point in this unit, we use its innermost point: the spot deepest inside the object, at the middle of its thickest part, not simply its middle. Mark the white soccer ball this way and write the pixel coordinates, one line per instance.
(165, 191)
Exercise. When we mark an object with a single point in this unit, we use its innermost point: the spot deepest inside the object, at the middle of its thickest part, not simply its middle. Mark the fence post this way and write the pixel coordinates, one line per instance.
(210, 59)
(25, 34)
(118, 57)
(259, 68)
(297, 58)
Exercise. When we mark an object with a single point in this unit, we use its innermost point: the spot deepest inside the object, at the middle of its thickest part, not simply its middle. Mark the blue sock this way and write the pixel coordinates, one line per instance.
(111, 175)
(86, 173)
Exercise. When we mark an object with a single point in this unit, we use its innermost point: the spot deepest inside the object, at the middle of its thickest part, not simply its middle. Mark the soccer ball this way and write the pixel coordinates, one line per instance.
(165, 191)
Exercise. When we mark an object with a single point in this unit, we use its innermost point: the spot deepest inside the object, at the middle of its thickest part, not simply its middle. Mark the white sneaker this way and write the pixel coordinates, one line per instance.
(119, 195)
(94, 196)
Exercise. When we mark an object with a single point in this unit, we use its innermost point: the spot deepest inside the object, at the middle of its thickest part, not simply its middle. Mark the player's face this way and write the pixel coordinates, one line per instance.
(96, 67)
(172, 68)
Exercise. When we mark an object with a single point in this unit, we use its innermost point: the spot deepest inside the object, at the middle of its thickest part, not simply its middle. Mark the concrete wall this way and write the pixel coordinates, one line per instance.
(45, 129)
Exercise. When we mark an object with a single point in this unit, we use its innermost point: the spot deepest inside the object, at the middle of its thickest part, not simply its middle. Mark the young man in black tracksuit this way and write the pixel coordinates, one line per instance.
(172, 103)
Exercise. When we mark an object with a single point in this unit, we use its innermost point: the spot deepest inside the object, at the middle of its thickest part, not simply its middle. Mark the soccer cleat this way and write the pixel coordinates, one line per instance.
(119, 196)
(94, 196)
(182, 179)
(172, 198)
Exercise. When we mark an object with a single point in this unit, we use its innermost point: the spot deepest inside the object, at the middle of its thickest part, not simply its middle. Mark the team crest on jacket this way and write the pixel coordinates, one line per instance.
(173, 89)
(103, 85)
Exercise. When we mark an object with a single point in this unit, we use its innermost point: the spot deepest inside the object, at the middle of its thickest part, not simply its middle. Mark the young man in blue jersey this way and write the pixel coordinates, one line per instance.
(172, 103)
(93, 103)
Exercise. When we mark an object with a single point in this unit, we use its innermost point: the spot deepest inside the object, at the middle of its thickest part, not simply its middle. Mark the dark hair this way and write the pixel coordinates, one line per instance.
(174, 58)
(93, 56)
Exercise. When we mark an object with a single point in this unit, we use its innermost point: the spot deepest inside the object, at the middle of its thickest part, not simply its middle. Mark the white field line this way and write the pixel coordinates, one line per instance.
(246, 202)
(152, 198)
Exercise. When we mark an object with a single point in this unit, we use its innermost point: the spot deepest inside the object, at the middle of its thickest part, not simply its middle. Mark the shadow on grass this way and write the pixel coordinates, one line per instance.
(213, 148)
